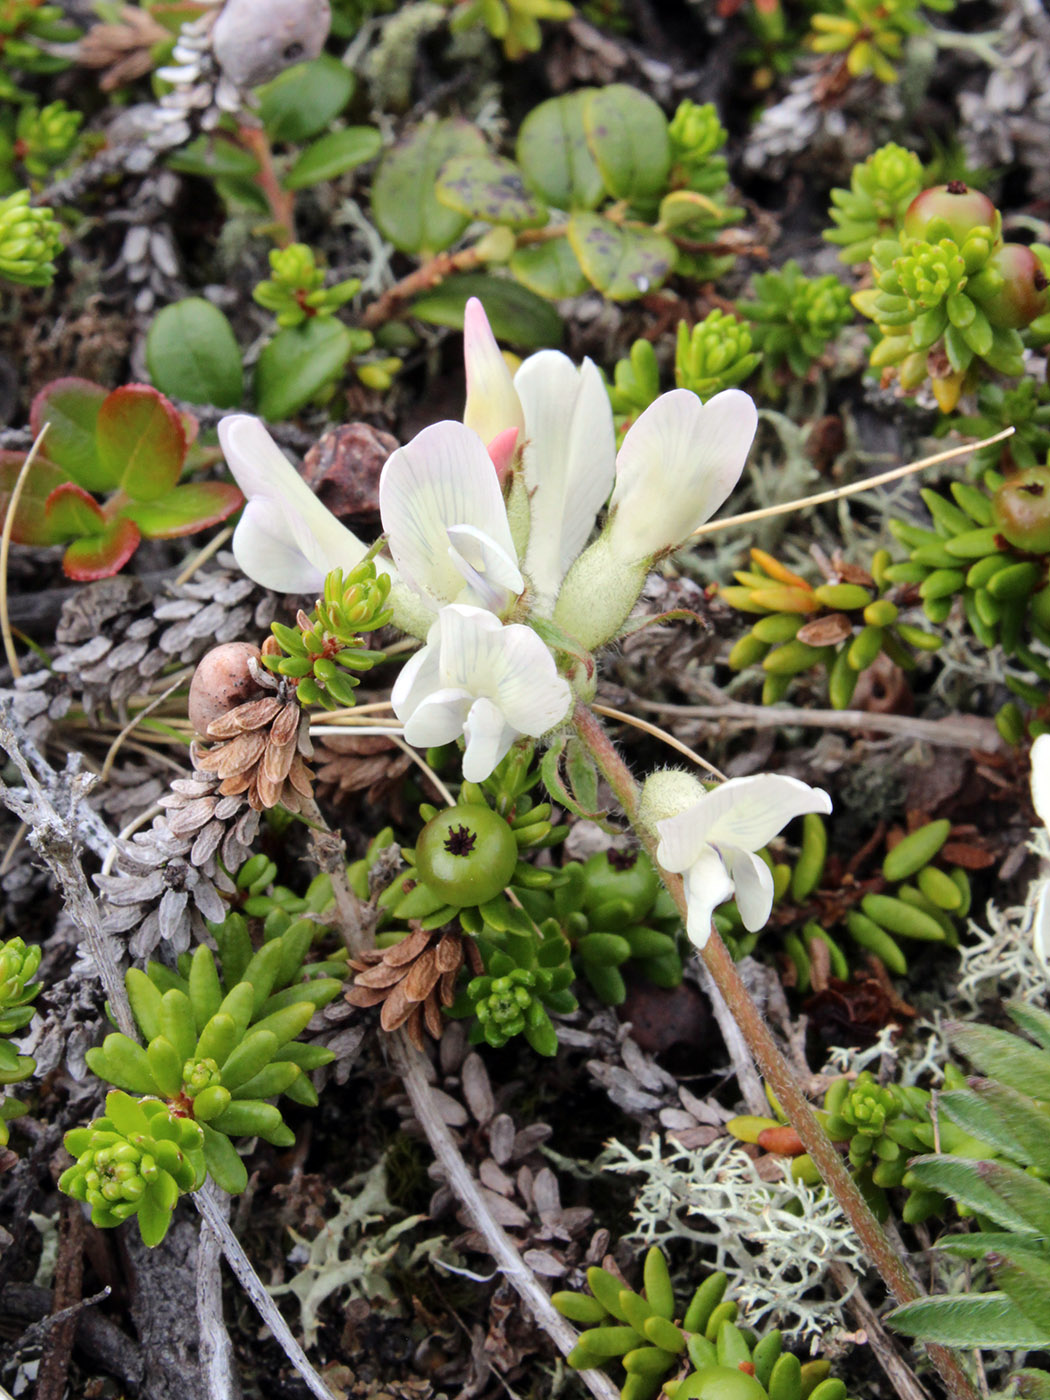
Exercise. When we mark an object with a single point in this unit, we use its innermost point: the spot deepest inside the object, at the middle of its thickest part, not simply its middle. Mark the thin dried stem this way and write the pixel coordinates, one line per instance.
(658, 733)
(5, 550)
(203, 555)
(256, 1291)
(854, 489)
(409, 1065)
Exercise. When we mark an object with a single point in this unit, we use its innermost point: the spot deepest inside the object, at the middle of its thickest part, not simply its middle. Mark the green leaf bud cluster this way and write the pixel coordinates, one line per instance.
(911, 899)
(216, 1049)
(18, 966)
(639, 1330)
(515, 23)
(295, 290)
(30, 241)
(842, 625)
(137, 1160)
(793, 317)
(528, 974)
(1005, 1187)
(697, 141)
(324, 650)
(881, 188)
(870, 33)
(44, 137)
(713, 355)
(991, 550)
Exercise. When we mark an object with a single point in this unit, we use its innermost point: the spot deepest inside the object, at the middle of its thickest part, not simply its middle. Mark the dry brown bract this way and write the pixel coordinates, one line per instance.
(124, 49)
(262, 747)
(413, 980)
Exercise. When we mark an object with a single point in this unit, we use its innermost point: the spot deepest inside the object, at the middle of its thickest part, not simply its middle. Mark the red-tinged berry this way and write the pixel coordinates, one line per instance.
(948, 211)
(1021, 510)
(1024, 292)
(221, 681)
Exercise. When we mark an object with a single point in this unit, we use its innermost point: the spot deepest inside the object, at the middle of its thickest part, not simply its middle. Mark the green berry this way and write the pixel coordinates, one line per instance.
(466, 855)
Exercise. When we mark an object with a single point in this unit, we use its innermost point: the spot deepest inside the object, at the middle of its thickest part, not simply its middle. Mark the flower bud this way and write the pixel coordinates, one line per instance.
(666, 793)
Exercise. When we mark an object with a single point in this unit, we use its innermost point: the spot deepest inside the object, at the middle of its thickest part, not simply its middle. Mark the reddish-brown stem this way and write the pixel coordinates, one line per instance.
(281, 201)
(436, 269)
(772, 1063)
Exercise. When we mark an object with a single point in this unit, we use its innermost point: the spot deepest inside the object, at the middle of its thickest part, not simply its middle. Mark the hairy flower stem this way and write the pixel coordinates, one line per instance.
(772, 1063)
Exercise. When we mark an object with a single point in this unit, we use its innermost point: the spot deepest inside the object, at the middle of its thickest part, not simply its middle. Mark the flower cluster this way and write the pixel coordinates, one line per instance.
(487, 523)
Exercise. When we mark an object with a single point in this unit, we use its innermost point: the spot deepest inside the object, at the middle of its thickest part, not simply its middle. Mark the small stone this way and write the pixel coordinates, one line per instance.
(254, 40)
(222, 681)
(343, 468)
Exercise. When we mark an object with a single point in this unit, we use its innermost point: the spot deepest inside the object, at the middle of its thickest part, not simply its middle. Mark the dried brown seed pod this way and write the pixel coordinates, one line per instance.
(223, 679)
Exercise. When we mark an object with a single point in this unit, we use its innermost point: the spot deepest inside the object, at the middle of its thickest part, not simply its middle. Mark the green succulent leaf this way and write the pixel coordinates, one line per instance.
(141, 441)
(622, 262)
(552, 151)
(490, 188)
(516, 314)
(333, 155)
(627, 135)
(298, 364)
(304, 100)
(70, 407)
(102, 555)
(188, 508)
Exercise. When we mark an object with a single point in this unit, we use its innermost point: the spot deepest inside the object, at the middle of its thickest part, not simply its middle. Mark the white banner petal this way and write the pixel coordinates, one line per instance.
(443, 477)
(678, 463)
(569, 456)
(299, 524)
(748, 812)
(438, 719)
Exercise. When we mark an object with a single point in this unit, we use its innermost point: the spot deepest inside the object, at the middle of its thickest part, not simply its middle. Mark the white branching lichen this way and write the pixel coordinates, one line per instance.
(776, 1240)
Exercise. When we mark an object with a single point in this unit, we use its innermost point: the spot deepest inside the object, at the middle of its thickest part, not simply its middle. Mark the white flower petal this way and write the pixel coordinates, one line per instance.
(300, 524)
(753, 882)
(682, 838)
(529, 690)
(492, 404)
(265, 550)
(493, 576)
(419, 677)
(568, 460)
(443, 477)
(707, 884)
(1040, 760)
(1041, 924)
(748, 812)
(489, 738)
(438, 719)
(678, 463)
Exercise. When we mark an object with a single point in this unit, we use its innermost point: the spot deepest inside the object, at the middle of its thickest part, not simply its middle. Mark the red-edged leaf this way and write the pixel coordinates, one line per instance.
(186, 509)
(71, 512)
(140, 438)
(31, 525)
(70, 408)
(102, 555)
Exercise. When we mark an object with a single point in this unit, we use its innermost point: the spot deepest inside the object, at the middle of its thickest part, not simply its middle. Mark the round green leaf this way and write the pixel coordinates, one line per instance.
(515, 314)
(71, 512)
(70, 409)
(554, 155)
(298, 364)
(141, 440)
(32, 525)
(628, 138)
(549, 269)
(102, 555)
(404, 204)
(306, 99)
(490, 188)
(333, 155)
(188, 508)
(193, 354)
(621, 262)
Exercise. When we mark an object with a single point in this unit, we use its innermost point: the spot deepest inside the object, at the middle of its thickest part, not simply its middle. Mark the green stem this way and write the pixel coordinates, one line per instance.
(776, 1069)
